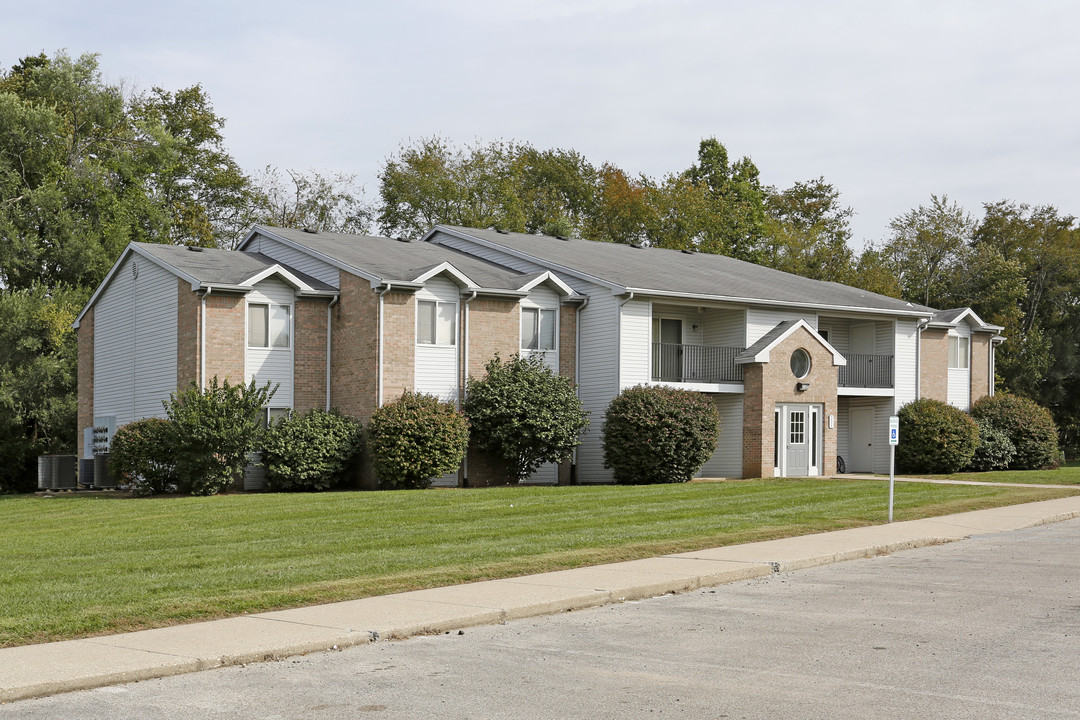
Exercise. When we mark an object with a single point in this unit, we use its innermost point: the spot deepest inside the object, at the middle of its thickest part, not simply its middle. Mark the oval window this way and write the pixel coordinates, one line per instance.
(800, 363)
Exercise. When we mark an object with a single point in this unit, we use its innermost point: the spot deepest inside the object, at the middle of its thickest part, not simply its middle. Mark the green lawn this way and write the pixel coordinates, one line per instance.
(1067, 474)
(73, 566)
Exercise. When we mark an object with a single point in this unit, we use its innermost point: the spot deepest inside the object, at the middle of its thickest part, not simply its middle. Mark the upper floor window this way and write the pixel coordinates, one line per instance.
(958, 352)
(436, 322)
(268, 325)
(537, 329)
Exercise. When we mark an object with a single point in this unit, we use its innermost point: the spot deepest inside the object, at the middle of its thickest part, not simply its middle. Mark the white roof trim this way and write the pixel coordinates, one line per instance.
(446, 268)
(975, 320)
(131, 248)
(276, 269)
(552, 279)
(857, 309)
(762, 355)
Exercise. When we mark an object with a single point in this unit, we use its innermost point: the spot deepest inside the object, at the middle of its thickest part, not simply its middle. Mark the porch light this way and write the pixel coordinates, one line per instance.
(802, 387)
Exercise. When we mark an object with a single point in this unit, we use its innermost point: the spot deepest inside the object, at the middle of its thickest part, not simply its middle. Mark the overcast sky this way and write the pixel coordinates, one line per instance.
(890, 102)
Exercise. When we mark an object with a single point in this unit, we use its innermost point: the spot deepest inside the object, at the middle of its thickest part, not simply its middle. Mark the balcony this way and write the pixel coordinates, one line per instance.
(867, 371)
(677, 362)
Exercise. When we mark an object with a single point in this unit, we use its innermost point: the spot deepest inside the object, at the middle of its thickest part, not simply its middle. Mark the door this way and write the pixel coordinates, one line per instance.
(667, 357)
(798, 439)
(862, 440)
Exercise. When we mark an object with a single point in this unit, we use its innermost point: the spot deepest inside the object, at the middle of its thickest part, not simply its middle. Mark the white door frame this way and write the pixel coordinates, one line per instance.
(813, 433)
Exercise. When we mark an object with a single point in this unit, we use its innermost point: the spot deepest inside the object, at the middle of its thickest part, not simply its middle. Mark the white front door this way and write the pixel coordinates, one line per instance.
(798, 437)
(862, 440)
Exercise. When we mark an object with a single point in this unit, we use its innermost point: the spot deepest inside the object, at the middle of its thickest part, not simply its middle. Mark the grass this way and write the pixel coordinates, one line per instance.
(83, 565)
(1067, 474)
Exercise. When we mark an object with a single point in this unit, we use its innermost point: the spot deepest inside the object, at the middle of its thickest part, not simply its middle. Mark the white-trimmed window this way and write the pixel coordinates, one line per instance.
(538, 328)
(273, 415)
(959, 351)
(436, 322)
(268, 325)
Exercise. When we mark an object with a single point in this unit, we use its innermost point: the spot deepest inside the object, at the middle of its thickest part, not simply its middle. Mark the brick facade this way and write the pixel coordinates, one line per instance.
(494, 327)
(399, 350)
(188, 328)
(309, 355)
(980, 365)
(765, 385)
(354, 351)
(225, 341)
(85, 411)
(934, 365)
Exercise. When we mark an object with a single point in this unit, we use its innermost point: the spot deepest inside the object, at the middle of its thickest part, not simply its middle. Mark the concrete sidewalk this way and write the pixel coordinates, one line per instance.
(36, 670)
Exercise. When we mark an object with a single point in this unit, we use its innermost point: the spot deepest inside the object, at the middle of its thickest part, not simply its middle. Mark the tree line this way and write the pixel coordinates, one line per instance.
(86, 167)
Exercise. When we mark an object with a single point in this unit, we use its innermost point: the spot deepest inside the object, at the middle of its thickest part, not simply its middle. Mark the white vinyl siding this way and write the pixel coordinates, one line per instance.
(882, 408)
(540, 326)
(760, 321)
(274, 363)
(486, 253)
(724, 327)
(436, 365)
(960, 376)
(635, 349)
(295, 259)
(905, 362)
(599, 378)
(726, 460)
(135, 342)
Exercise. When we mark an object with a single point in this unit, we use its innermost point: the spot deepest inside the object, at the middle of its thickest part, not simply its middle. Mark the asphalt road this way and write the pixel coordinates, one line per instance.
(985, 628)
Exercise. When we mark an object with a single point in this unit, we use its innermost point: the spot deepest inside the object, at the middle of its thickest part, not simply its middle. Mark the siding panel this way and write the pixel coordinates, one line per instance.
(273, 365)
(599, 378)
(726, 461)
(760, 321)
(296, 259)
(436, 366)
(634, 343)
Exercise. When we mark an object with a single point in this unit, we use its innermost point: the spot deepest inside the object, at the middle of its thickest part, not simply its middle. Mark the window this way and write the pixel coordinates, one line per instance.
(797, 427)
(272, 416)
(268, 325)
(537, 329)
(800, 363)
(436, 322)
(824, 334)
(958, 352)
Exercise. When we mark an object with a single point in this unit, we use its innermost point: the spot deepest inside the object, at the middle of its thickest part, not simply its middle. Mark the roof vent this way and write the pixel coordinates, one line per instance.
(313, 231)
(502, 232)
(688, 251)
(636, 245)
(402, 239)
(194, 248)
(562, 237)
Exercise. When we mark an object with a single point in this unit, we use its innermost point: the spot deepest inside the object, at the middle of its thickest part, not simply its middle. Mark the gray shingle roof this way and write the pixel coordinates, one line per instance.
(222, 267)
(393, 260)
(699, 274)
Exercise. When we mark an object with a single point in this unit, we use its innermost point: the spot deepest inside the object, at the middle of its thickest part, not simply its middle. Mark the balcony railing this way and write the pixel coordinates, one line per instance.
(672, 362)
(867, 371)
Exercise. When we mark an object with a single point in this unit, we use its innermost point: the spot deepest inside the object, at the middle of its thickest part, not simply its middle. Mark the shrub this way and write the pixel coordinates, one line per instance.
(995, 450)
(416, 438)
(935, 437)
(659, 434)
(525, 415)
(141, 454)
(310, 451)
(212, 432)
(1028, 425)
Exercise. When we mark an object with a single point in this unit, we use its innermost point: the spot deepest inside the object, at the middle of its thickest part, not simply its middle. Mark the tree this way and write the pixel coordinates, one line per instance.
(524, 414)
(212, 431)
(37, 379)
(925, 243)
(556, 188)
(433, 182)
(621, 213)
(327, 201)
(807, 232)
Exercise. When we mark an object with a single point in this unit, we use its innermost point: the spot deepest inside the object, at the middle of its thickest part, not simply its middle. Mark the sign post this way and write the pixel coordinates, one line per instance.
(894, 438)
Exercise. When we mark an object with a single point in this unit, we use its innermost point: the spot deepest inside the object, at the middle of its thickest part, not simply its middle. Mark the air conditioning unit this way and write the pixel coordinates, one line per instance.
(102, 477)
(56, 472)
(86, 472)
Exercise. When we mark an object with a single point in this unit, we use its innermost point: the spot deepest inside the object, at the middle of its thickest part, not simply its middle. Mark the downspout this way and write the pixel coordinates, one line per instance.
(464, 374)
(618, 344)
(380, 370)
(329, 347)
(918, 358)
(202, 339)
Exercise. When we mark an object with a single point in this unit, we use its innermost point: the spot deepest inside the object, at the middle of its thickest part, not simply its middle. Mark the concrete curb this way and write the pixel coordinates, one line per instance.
(37, 670)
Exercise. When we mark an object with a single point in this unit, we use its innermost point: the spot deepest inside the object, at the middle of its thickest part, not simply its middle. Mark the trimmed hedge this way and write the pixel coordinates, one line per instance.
(416, 438)
(935, 437)
(1028, 425)
(995, 450)
(310, 451)
(141, 455)
(659, 434)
